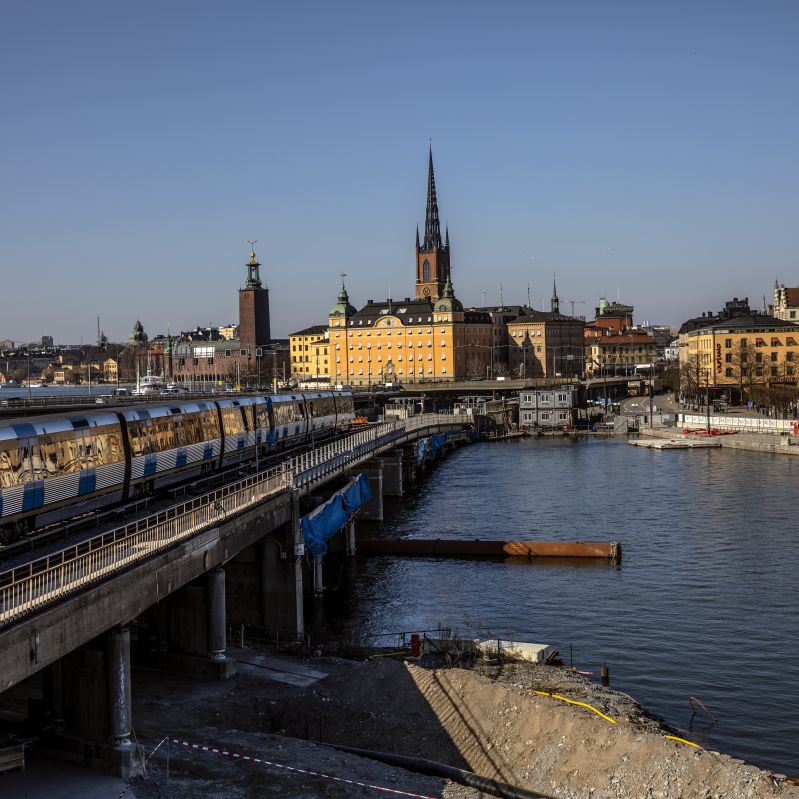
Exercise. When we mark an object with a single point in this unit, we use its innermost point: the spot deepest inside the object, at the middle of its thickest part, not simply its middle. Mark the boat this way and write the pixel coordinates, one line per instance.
(149, 384)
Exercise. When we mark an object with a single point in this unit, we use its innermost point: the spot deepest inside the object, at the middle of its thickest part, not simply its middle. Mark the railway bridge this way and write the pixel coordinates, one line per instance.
(171, 584)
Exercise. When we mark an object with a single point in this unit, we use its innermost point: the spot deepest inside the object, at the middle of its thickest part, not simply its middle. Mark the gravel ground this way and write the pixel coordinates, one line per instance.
(487, 719)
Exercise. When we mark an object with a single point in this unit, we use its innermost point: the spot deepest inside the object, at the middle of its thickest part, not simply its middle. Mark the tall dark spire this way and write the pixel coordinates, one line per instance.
(555, 300)
(432, 226)
(417, 235)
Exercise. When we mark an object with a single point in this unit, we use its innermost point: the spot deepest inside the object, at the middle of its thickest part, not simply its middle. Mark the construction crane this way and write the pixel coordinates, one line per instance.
(575, 302)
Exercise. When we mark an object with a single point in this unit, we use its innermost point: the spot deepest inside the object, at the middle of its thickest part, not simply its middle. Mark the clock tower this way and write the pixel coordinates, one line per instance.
(432, 257)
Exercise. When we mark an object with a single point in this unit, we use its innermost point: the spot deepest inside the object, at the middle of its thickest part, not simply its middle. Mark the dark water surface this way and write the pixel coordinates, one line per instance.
(704, 603)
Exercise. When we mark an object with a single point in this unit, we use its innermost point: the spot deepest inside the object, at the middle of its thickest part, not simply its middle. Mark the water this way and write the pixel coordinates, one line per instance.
(704, 603)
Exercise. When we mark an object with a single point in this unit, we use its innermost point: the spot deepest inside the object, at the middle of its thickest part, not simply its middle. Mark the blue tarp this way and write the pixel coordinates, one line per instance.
(436, 442)
(421, 449)
(326, 520)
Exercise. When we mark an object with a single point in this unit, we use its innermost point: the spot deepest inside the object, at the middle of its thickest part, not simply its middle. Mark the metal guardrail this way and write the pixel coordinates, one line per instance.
(742, 424)
(30, 587)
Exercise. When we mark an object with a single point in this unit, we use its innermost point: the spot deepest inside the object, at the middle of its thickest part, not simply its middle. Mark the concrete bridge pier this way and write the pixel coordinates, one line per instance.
(350, 538)
(196, 629)
(409, 467)
(392, 474)
(373, 509)
(119, 698)
(318, 576)
(90, 689)
(217, 640)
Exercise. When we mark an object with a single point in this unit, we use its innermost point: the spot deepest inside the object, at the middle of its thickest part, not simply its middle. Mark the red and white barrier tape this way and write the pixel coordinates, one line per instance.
(264, 762)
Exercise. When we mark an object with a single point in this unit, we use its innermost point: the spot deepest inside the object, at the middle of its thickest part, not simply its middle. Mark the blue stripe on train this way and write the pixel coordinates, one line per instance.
(181, 458)
(149, 465)
(24, 430)
(88, 482)
(240, 443)
(33, 495)
(208, 451)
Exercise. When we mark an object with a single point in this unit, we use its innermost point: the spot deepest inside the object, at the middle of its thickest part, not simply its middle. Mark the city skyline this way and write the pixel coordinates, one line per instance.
(645, 154)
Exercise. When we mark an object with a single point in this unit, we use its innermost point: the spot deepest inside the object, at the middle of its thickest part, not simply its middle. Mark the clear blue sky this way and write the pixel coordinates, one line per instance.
(646, 146)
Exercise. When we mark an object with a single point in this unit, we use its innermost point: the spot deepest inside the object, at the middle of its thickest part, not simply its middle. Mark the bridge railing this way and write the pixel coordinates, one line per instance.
(30, 587)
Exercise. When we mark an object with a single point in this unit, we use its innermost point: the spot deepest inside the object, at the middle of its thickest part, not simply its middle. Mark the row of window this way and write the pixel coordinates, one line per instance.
(546, 416)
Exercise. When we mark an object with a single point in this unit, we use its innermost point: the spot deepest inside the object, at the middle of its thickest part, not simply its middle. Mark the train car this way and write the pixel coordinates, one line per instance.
(164, 439)
(245, 425)
(321, 411)
(345, 410)
(288, 420)
(49, 462)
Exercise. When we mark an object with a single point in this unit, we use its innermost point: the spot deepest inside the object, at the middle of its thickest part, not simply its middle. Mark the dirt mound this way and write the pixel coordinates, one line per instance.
(502, 729)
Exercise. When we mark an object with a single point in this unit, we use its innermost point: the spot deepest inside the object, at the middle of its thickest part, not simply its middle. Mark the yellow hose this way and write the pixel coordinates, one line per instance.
(608, 718)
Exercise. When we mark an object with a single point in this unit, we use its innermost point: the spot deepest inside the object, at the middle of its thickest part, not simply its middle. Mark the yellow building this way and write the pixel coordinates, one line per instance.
(619, 353)
(741, 348)
(308, 350)
(408, 341)
(545, 344)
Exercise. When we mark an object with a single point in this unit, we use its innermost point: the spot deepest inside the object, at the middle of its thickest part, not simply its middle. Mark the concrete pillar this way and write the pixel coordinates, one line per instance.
(299, 551)
(350, 533)
(216, 614)
(318, 576)
(373, 509)
(392, 474)
(119, 708)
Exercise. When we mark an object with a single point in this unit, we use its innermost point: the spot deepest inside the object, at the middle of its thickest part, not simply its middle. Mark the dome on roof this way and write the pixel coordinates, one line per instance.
(343, 306)
(448, 301)
(137, 335)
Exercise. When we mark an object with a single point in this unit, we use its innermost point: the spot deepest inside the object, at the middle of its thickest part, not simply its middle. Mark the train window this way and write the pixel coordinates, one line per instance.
(106, 445)
(232, 421)
(88, 451)
(262, 416)
(37, 463)
(9, 466)
(139, 438)
(162, 435)
(210, 425)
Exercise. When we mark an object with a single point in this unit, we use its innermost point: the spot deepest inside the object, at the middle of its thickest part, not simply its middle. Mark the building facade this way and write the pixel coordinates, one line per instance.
(548, 407)
(786, 303)
(620, 353)
(546, 343)
(309, 354)
(741, 348)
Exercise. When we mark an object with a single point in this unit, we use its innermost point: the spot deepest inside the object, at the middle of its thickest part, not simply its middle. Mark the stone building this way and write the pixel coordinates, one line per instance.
(786, 303)
(740, 348)
(546, 343)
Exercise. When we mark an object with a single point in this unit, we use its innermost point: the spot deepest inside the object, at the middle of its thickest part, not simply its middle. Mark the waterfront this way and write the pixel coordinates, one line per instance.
(702, 605)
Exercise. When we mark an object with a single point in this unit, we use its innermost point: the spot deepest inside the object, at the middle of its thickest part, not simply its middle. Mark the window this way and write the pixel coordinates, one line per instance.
(728, 372)
(426, 272)
(773, 356)
(759, 357)
(788, 356)
(728, 357)
(728, 343)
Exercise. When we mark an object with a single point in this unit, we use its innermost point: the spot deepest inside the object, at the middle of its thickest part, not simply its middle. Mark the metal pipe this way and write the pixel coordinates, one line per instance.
(433, 768)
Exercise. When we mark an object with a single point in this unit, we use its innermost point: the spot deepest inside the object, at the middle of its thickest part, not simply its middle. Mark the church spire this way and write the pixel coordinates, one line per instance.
(417, 236)
(432, 226)
(555, 301)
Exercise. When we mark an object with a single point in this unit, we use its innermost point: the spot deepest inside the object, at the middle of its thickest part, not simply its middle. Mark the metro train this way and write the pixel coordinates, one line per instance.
(48, 463)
